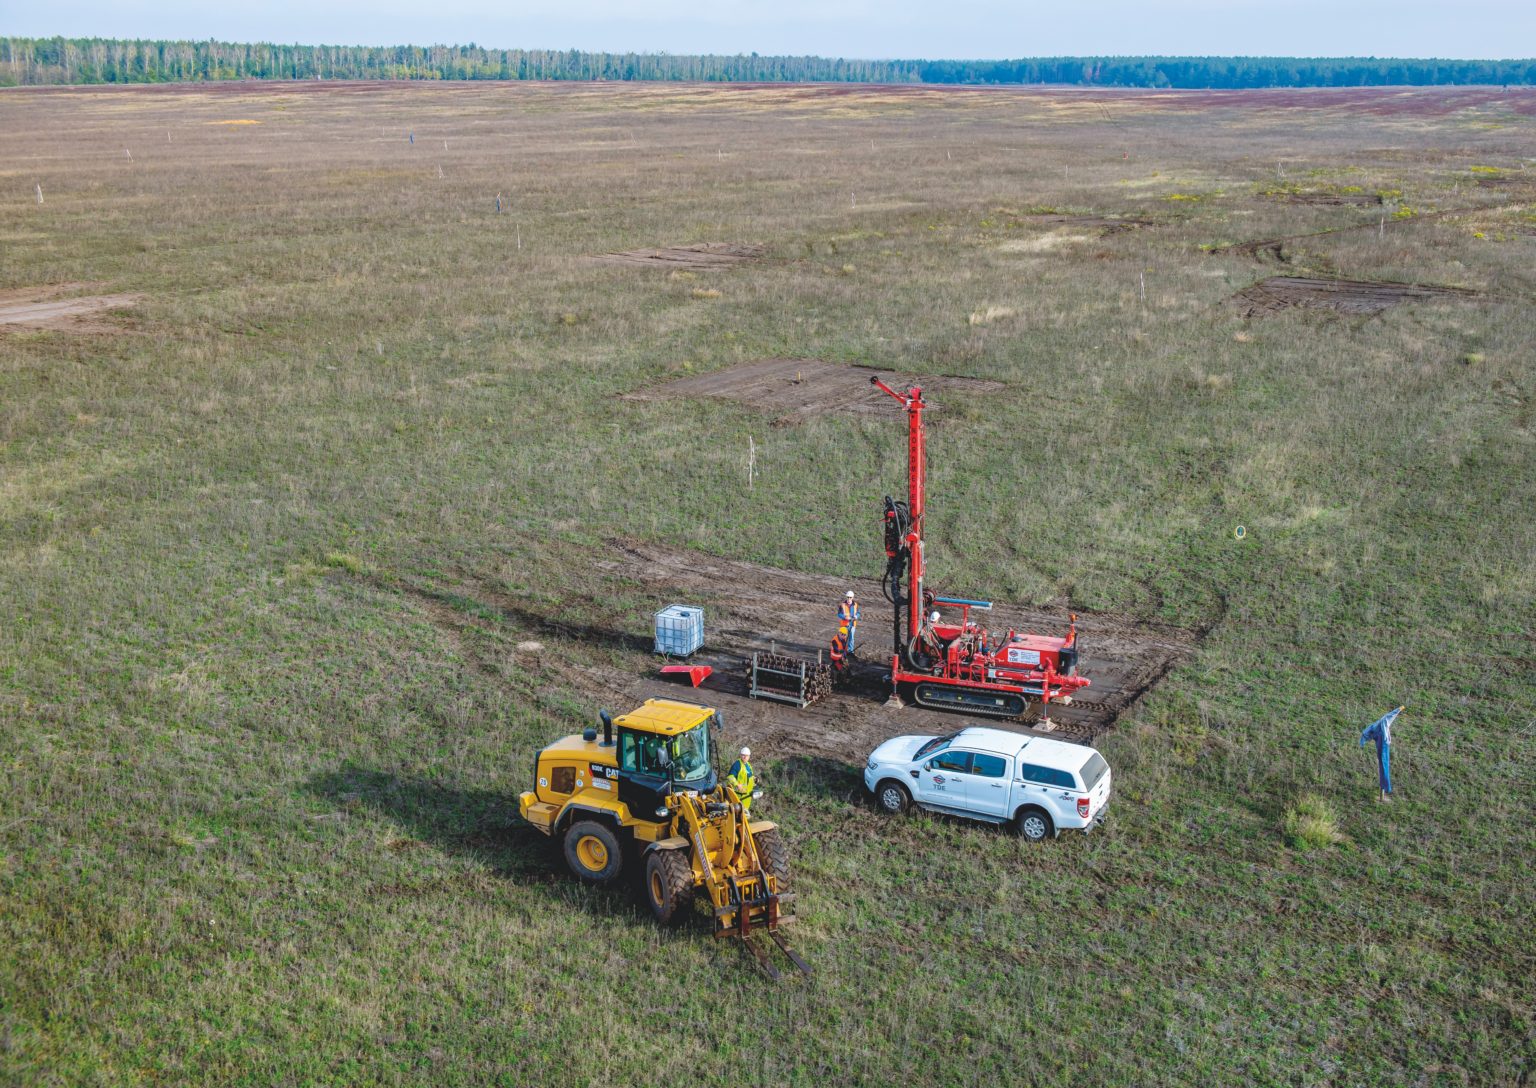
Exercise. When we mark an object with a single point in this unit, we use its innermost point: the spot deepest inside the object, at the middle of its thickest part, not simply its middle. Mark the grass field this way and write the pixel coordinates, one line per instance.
(261, 734)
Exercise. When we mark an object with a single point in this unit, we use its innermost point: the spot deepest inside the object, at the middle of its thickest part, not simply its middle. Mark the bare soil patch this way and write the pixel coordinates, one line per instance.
(753, 607)
(1342, 296)
(798, 387)
(749, 607)
(42, 308)
(702, 257)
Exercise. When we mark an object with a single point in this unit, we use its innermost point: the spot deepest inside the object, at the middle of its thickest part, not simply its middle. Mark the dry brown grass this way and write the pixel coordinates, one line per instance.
(301, 572)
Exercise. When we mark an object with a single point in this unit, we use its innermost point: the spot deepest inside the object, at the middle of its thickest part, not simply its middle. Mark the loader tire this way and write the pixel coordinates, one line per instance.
(669, 886)
(592, 851)
(774, 855)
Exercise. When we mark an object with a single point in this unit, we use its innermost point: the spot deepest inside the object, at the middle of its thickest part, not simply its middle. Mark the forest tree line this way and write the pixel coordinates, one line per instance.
(25, 61)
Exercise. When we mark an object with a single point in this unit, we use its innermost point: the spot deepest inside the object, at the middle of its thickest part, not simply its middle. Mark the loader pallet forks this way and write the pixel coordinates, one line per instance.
(767, 964)
(745, 873)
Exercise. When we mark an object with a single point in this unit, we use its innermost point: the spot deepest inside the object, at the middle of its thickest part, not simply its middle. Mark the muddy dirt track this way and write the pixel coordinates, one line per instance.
(751, 607)
(796, 387)
(1273, 248)
(703, 257)
(1280, 293)
(1331, 200)
(1105, 224)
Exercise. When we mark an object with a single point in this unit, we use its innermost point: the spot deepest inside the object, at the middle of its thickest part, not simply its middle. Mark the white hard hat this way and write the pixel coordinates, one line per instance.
(746, 753)
(848, 594)
(933, 618)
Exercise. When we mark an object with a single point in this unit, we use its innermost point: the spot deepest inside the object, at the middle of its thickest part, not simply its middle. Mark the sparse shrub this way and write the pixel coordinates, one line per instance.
(345, 561)
(992, 313)
(1310, 824)
(302, 572)
(705, 292)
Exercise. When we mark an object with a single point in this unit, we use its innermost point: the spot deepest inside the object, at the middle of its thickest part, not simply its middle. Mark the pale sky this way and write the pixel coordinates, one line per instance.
(956, 29)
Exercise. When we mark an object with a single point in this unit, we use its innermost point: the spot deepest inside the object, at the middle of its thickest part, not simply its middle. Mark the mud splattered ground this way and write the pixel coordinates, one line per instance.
(795, 387)
(1279, 293)
(750, 607)
(47, 308)
(703, 257)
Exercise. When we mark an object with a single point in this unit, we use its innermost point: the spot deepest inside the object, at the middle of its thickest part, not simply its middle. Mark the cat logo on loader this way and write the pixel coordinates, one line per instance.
(649, 791)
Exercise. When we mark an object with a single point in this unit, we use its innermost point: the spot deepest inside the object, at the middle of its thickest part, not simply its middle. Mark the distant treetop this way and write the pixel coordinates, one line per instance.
(107, 60)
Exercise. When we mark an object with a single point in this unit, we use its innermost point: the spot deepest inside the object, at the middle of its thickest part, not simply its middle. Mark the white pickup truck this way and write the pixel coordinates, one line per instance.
(1037, 784)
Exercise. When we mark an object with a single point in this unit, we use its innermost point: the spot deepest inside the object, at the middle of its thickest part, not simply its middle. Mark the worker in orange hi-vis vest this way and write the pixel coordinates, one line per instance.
(839, 650)
(848, 620)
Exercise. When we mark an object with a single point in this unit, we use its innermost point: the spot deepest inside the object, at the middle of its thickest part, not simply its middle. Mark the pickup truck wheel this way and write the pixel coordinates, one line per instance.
(669, 886)
(1034, 825)
(592, 851)
(892, 797)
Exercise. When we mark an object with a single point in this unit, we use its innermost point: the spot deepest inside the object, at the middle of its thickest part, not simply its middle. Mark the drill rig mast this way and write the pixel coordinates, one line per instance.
(949, 665)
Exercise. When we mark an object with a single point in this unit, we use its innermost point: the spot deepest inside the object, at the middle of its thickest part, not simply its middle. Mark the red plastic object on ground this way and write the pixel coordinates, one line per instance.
(696, 674)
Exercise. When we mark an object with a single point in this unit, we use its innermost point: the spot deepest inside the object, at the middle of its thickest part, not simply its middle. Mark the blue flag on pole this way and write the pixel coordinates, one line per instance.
(1380, 731)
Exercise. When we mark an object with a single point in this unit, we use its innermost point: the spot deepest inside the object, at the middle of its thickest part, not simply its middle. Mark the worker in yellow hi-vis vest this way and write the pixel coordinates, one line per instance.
(848, 618)
(741, 781)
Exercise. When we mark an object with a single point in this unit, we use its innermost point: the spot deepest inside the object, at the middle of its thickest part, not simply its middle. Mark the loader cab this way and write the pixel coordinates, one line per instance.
(664, 745)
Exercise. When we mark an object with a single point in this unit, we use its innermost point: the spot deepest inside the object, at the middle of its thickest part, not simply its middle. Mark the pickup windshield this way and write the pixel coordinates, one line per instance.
(937, 744)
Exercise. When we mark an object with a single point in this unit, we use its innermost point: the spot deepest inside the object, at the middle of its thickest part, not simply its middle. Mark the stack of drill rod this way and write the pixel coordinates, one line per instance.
(788, 679)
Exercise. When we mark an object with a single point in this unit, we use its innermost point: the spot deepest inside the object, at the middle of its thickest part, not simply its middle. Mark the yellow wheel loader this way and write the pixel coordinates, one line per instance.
(648, 792)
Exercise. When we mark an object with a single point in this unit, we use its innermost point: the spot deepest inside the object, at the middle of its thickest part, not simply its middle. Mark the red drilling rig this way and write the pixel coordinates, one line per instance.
(959, 666)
